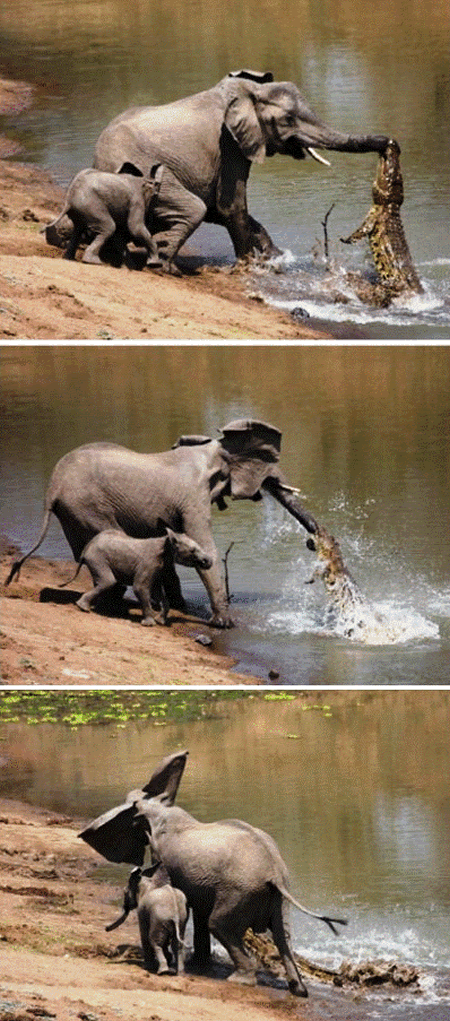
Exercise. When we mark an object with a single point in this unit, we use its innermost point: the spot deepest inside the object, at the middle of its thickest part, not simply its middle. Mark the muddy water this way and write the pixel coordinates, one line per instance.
(355, 792)
(365, 437)
(93, 60)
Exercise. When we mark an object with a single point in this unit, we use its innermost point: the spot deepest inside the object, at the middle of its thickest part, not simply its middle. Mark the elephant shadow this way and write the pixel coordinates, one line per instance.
(218, 969)
(119, 606)
(110, 605)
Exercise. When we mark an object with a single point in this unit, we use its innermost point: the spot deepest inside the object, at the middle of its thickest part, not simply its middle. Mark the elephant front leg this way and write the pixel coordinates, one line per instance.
(213, 583)
(248, 236)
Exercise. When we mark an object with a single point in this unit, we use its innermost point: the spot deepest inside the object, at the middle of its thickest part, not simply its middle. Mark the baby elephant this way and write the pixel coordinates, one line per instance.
(113, 556)
(108, 205)
(162, 915)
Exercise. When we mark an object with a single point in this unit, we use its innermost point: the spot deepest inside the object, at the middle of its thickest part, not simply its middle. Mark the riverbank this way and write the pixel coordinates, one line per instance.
(45, 297)
(57, 961)
(45, 639)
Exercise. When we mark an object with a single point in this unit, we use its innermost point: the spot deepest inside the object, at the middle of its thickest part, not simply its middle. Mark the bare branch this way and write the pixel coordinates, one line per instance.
(225, 563)
(325, 230)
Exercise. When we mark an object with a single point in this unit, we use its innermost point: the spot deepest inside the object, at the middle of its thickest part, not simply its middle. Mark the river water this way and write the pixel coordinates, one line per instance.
(354, 791)
(366, 438)
(383, 70)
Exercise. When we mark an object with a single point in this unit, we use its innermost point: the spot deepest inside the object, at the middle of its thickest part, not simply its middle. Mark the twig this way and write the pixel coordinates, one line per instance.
(225, 562)
(325, 230)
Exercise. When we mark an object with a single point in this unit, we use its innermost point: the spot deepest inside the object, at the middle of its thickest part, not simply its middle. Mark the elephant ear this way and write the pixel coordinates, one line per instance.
(242, 122)
(120, 835)
(251, 448)
(191, 441)
(130, 168)
(262, 77)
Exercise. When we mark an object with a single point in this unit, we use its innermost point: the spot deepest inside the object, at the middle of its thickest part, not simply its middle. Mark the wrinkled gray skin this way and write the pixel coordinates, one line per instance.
(209, 141)
(234, 878)
(110, 205)
(104, 485)
(113, 556)
(162, 915)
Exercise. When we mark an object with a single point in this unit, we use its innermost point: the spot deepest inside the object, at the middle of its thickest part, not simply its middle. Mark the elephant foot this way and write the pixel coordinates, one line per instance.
(297, 988)
(83, 606)
(244, 978)
(92, 260)
(221, 621)
(148, 622)
(172, 269)
(199, 963)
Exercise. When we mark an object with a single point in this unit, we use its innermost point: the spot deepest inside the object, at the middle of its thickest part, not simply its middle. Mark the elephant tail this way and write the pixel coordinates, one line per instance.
(331, 922)
(15, 569)
(54, 223)
(118, 921)
(70, 580)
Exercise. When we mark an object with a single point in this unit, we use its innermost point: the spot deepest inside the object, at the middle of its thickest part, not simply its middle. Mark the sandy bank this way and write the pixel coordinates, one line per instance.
(46, 640)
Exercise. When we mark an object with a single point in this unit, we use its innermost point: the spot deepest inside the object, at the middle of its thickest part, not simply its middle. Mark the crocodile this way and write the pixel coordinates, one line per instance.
(350, 611)
(384, 230)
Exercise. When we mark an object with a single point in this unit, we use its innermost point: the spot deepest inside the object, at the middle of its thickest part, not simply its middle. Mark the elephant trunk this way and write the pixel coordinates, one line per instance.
(355, 143)
(287, 496)
(318, 135)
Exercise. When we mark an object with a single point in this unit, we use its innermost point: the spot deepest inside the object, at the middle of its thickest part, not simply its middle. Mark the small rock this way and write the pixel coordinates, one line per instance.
(203, 640)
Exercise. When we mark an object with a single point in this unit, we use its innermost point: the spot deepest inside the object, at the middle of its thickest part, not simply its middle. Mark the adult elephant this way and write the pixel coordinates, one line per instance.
(104, 485)
(232, 874)
(208, 142)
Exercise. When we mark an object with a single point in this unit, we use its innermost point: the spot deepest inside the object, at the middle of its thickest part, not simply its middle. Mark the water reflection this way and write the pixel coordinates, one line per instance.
(355, 794)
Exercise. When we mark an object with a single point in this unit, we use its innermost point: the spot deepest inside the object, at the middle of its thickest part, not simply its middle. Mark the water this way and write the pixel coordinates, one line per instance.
(366, 436)
(387, 73)
(354, 791)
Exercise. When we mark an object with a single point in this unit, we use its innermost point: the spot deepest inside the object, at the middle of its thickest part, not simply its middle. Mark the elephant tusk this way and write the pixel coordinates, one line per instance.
(290, 489)
(316, 156)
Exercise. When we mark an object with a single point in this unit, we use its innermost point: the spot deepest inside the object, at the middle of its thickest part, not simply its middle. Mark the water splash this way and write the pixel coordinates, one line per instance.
(323, 292)
(384, 624)
(355, 619)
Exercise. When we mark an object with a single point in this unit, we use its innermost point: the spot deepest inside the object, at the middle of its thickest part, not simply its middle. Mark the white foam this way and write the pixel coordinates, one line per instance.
(381, 624)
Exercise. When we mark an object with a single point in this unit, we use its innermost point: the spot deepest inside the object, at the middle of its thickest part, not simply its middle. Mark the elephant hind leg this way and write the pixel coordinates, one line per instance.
(104, 231)
(202, 941)
(178, 213)
(245, 972)
(74, 242)
(223, 927)
(103, 582)
(141, 236)
(281, 940)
